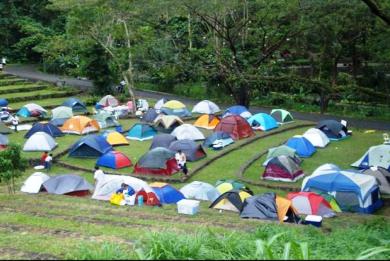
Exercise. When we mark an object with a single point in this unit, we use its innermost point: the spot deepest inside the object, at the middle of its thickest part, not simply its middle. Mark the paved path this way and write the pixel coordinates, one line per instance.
(31, 72)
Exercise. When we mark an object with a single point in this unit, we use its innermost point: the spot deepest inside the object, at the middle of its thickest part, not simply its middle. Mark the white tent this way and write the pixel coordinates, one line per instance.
(159, 104)
(33, 184)
(187, 132)
(108, 184)
(34, 107)
(316, 137)
(200, 191)
(40, 141)
(206, 107)
(142, 105)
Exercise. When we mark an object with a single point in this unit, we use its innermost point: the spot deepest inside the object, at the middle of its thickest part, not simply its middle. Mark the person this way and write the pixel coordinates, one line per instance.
(125, 190)
(98, 174)
(48, 161)
(43, 157)
(181, 160)
(15, 122)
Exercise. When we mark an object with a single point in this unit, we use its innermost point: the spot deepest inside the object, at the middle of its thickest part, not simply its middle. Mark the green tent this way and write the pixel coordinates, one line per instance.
(62, 112)
(106, 119)
(282, 150)
(282, 116)
(4, 129)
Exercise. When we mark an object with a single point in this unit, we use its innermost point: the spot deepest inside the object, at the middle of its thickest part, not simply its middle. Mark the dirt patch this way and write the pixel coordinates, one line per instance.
(16, 254)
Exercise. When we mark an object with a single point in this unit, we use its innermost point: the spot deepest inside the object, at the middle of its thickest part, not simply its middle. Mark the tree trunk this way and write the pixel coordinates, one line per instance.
(189, 32)
(324, 103)
(243, 97)
(128, 77)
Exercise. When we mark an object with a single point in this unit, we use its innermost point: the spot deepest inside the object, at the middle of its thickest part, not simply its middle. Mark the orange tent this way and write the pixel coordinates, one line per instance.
(285, 208)
(207, 121)
(80, 125)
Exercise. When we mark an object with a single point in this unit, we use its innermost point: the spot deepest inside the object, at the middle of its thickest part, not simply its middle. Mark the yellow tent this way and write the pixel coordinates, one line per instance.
(115, 138)
(207, 121)
(173, 104)
(284, 206)
(80, 125)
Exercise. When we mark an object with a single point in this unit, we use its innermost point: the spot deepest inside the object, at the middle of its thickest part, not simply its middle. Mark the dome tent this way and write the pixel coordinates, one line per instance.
(200, 191)
(302, 146)
(174, 107)
(333, 130)
(376, 156)
(80, 125)
(75, 104)
(309, 203)
(382, 177)
(71, 185)
(48, 128)
(166, 193)
(187, 132)
(316, 137)
(191, 149)
(236, 126)
(105, 119)
(282, 168)
(282, 150)
(149, 116)
(158, 161)
(115, 138)
(114, 160)
(263, 122)
(33, 184)
(31, 110)
(40, 141)
(282, 116)
(167, 123)
(60, 115)
(162, 140)
(206, 107)
(159, 104)
(237, 110)
(90, 146)
(141, 132)
(207, 122)
(232, 200)
(3, 102)
(108, 100)
(215, 136)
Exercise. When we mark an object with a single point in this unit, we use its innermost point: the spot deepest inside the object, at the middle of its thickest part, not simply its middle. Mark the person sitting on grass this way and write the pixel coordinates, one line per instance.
(48, 161)
(181, 160)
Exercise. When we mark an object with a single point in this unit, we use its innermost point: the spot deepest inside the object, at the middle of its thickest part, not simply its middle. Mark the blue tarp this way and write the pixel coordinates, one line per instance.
(303, 146)
(90, 146)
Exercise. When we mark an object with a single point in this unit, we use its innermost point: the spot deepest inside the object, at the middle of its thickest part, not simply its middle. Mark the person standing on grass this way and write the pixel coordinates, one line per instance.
(48, 161)
(98, 174)
(43, 157)
(181, 160)
(15, 122)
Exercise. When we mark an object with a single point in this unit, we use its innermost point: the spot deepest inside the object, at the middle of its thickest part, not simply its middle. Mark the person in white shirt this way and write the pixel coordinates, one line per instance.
(48, 161)
(98, 175)
(15, 122)
(181, 160)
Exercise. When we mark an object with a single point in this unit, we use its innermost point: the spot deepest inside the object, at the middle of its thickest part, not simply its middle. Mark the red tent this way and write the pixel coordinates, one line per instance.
(282, 168)
(309, 203)
(236, 126)
(170, 168)
(150, 198)
(159, 161)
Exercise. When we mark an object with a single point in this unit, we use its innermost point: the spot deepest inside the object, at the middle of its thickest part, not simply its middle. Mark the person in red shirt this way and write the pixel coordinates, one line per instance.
(43, 157)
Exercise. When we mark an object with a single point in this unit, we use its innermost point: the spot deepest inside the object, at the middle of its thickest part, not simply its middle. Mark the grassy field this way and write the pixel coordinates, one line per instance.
(45, 226)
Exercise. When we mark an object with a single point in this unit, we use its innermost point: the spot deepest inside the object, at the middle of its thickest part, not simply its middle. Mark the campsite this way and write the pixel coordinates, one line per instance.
(108, 160)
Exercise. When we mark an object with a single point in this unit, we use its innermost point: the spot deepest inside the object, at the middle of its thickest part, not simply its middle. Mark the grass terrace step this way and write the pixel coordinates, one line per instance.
(11, 81)
(21, 88)
(7, 76)
(39, 95)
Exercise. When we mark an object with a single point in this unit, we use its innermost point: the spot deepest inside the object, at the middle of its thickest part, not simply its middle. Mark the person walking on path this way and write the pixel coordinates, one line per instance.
(48, 162)
(181, 160)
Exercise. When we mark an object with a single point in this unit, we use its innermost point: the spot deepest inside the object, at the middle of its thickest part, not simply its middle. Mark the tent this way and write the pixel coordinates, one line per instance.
(108, 100)
(382, 178)
(150, 198)
(282, 116)
(282, 150)
(159, 104)
(80, 125)
(191, 149)
(221, 143)
(4, 129)
(105, 119)
(166, 193)
(162, 140)
(177, 108)
(310, 203)
(60, 115)
(40, 141)
(200, 191)
(187, 131)
(282, 168)
(91, 146)
(206, 107)
(3, 140)
(269, 206)
(376, 156)
(159, 161)
(31, 110)
(48, 128)
(115, 138)
(316, 137)
(72, 185)
(263, 121)
(302, 146)
(167, 123)
(236, 126)
(225, 185)
(75, 104)
(114, 160)
(141, 132)
(219, 135)
(33, 184)
(232, 201)
(3, 102)
(237, 110)
(107, 184)
(149, 116)
(207, 121)
(353, 191)
(333, 130)
(142, 105)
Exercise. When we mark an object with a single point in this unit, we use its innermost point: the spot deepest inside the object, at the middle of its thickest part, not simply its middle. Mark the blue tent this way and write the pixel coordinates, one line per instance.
(167, 194)
(141, 132)
(75, 104)
(114, 160)
(303, 146)
(353, 191)
(90, 146)
(3, 103)
(237, 110)
(218, 135)
(49, 128)
(24, 112)
(263, 121)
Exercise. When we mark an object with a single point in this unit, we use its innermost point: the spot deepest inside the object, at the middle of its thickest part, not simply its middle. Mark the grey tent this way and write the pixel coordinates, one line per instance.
(334, 130)
(156, 158)
(191, 149)
(3, 140)
(269, 206)
(149, 116)
(72, 185)
(218, 135)
(282, 150)
(4, 129)
(382, 177)
(162, 140)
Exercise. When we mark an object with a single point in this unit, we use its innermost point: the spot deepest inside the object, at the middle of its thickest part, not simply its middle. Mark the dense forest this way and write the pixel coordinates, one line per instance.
(319, 51)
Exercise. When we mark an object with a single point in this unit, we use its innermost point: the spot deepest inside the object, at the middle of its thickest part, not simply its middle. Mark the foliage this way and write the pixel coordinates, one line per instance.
(104, 251)
(12, 166)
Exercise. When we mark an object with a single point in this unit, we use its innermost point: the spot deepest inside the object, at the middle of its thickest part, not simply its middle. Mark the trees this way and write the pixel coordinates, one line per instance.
(377, 10)
(12, 166)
